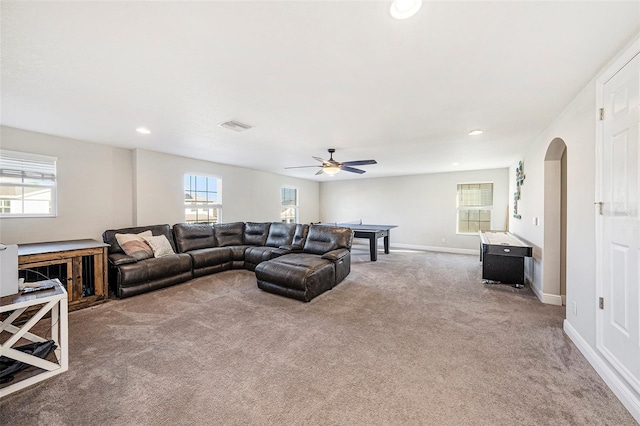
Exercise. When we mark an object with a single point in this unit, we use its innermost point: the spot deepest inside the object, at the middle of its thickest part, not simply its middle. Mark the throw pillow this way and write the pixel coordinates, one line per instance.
(160, 246)
(133, 245)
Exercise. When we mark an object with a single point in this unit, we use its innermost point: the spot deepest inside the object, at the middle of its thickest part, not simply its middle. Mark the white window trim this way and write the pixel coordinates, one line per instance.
(217, 206)
(458, 208)
(25, 156)
(296, 207)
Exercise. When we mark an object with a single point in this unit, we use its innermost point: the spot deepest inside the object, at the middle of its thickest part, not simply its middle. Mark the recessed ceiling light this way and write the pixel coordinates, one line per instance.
(143, 130)
(476, 132)
(403, 9)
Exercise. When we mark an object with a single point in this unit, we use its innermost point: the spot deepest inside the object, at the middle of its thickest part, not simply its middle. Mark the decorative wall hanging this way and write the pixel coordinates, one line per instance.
(516, 195)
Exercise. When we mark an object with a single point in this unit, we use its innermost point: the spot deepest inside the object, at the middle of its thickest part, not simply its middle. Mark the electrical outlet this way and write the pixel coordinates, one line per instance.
(574, 306)
(444, 240)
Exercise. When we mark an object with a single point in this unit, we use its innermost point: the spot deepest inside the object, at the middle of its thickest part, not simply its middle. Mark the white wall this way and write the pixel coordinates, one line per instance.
(423, 206)
(94, 189)
(102, 187)
(247, 195)
(576, 126)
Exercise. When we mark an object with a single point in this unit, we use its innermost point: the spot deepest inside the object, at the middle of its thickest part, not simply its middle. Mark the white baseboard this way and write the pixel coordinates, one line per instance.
(549, 299)
(436, 248)
(625, 394)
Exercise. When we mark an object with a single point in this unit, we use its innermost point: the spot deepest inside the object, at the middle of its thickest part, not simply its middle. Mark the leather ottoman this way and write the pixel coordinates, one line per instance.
(300, 276)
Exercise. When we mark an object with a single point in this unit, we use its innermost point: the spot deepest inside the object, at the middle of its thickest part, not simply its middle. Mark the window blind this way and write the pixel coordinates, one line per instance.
(36, 169)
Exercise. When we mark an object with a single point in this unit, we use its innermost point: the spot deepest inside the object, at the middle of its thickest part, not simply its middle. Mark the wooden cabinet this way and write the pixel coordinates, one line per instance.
(80, 265)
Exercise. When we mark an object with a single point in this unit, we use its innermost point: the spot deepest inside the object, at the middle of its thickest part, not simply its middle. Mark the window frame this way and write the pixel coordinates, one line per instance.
(295, 207)
(32, 163)
(216, 206)
(477, 208)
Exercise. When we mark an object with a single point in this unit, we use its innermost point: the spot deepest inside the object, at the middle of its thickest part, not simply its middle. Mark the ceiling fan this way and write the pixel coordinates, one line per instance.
(332, 167)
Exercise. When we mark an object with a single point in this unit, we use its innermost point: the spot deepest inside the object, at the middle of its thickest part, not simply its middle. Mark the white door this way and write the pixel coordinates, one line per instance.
(618, 335)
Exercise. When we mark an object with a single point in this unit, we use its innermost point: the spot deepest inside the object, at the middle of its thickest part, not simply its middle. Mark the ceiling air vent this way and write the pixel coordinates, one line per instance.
(235, 125)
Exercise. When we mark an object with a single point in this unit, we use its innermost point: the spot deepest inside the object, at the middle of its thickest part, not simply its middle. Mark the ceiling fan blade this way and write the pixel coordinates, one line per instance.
(320, 160)
(300, 167)
(351, 169)
(321, 171)
(359, 163)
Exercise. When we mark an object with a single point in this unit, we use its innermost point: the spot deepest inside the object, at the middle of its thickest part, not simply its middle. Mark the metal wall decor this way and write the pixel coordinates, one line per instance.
(516, 195)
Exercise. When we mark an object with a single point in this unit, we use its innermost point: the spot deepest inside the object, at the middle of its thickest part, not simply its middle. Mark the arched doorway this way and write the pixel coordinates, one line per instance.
(555, 220)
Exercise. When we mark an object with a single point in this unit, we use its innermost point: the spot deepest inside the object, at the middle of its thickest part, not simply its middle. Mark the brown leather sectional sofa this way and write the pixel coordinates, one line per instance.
(293, 260)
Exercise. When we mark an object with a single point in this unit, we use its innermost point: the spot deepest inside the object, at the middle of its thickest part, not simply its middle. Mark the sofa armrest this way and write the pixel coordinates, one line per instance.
(116, 259)
(336, 255)
(291, 248)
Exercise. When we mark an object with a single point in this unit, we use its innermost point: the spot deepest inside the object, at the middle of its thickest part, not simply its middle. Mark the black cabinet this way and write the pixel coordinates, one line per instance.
(502, 255)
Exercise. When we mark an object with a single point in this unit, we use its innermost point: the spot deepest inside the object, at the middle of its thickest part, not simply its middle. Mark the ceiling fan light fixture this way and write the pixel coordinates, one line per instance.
(403, 9)
(331, 170)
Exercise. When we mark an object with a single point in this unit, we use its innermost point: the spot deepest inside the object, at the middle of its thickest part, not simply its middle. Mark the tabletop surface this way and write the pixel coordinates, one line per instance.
(36, 297)
(362, 226)
(502, 238)
(56, 246)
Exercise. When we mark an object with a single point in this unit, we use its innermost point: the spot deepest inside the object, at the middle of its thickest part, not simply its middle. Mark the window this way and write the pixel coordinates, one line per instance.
(289, 201)
(475, 202)
(27, 184)
(202, 199)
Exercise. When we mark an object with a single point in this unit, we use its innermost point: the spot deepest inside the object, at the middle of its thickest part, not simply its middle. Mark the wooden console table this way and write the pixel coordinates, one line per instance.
(80, 265)
(36, 305)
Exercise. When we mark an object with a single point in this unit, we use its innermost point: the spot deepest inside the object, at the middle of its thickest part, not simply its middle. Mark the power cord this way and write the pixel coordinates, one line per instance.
(35, 287)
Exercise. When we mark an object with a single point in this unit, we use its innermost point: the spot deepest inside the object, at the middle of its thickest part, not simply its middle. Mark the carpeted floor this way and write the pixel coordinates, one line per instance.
(414, 338)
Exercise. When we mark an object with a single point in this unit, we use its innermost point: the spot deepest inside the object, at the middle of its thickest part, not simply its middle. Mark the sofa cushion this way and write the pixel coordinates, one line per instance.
(153, 269)
(193, 236)
(280, 234)
(304, 260)
(120, 259)
(255, 234)
(294, 276)
(212, 256)
(322, 239)
(300, 237)
(299, 276)
(229, 234)
(237, 252)
(255, 255)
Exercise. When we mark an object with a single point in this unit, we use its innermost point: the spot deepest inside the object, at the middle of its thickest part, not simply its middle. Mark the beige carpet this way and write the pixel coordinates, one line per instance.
(414, 338)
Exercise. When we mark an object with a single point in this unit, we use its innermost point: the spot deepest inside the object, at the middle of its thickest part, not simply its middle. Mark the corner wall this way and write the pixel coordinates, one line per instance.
(93, 191)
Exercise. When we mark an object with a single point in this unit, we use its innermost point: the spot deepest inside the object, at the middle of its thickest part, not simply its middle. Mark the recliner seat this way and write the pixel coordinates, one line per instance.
(325, 260)
(128, 276)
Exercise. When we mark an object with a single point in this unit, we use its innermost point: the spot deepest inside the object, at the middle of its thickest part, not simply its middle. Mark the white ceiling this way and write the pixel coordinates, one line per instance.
(308, 76)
